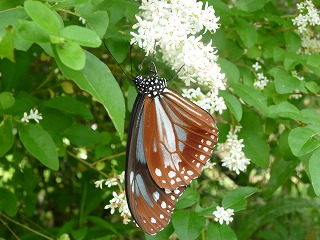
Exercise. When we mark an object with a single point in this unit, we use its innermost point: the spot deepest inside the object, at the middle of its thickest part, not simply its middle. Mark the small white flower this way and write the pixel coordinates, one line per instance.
(222, 215)
(261, 82)
(256, 66)
(34, 114)
(98, 183)
(82, 20)
(231, 152)
(209, 165)
(25, 117)
(111, 182)
(121, 177)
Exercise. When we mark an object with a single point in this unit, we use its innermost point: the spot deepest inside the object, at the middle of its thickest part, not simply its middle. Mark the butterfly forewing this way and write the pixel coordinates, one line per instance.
(151, 206)
(178, 139)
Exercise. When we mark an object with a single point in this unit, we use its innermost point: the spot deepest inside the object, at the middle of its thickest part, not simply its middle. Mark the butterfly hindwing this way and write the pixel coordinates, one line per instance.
(151, 206)
(178, 137)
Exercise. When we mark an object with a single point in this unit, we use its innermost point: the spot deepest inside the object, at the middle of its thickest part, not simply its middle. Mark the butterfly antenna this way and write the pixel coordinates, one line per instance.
(154, 70)
(176, 74)
(105, 45)
(131, 46)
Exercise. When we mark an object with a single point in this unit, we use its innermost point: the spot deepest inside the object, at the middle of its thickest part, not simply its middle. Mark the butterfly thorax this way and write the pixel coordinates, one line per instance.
(151, 85)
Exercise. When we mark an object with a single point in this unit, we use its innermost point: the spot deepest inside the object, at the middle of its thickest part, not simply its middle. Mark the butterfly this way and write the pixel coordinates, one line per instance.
(170, 140)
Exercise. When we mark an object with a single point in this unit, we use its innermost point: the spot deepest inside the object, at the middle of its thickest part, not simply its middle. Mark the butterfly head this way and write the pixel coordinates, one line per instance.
(151, 85)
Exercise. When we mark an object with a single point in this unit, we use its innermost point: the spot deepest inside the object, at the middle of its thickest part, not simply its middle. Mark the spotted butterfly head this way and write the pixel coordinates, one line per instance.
(151, 85)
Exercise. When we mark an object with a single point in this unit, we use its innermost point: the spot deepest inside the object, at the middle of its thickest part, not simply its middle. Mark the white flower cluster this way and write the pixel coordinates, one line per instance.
(211, 102)
(307, 20)
(34, 114)
(222, 215)
(110, 181)
(231, 152)
(118, 201)
(170, 26)
(261, 81)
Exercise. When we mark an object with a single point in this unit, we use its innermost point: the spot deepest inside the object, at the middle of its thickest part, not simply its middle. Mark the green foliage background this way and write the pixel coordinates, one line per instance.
(52, 62)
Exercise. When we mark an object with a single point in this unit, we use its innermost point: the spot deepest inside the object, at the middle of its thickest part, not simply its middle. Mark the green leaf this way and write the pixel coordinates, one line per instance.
(7, 45)
(283, 81)
(278, 54)
(284, 148)
(281, 171)
(82, 135)
(188, 225)
(314, 169)
(118, 48)
(6, 135)
(233, 104)
(6, 100)
(313, 87)
(261, 215)
(310, 116)
(304, 140)
(208, 210)
(39, 144)
(55, 120)
(188, 198)
(43, 16)
(97, 80)
(11, 17)
(98, 21)
(285, 110)
(69, 105)
(256, 147)
(103, 223)
(80, 233)
(132, 95)
(251, 5)
(220, 232)
(293, 44)
(8, 202)
(71, 55)
(246, 32)
(162, 235)
(82, 36)
(236, 199)
(252, 97)
(31, 32)
(313, 62)
(231, 70)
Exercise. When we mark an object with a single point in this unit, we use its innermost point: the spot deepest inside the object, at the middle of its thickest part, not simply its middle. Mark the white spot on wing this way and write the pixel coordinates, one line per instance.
(153, 220)
(156, 196)
(190, 172)
(158, 172)
(172, 174)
